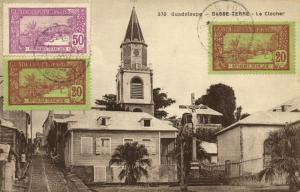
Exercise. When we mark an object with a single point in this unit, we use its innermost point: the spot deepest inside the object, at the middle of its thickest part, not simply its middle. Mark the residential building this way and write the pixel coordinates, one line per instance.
(54, 127)
(20, 119)
(292, 105)
(91, 139)
(244, 141)
(205, 117)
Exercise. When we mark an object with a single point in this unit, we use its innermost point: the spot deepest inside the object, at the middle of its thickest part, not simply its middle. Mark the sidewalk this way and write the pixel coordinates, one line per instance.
(44, 176)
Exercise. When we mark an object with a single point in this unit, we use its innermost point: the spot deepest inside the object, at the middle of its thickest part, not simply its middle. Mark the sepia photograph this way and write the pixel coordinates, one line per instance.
(158, 95)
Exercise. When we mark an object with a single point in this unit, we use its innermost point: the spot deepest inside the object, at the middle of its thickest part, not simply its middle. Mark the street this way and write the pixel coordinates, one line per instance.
(221, 188)
(45, 176)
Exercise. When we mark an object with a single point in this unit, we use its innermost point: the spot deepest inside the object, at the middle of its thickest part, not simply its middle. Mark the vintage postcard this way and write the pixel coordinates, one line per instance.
(150, 95)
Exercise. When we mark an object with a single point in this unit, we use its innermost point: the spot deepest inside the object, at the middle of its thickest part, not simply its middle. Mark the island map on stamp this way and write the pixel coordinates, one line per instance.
(256, 47)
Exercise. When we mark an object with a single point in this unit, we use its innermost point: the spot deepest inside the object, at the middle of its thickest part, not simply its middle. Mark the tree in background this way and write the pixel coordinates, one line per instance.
(285, 155)
(134, 161)
(161, 101)
(239, 115)
(207, 134)
(110, 101)
(221, 98)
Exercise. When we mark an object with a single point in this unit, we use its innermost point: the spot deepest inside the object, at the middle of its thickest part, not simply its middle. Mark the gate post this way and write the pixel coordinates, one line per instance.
(227, 168)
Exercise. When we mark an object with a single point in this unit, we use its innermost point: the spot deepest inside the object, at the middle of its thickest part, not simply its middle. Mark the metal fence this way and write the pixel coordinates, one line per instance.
(236, 169)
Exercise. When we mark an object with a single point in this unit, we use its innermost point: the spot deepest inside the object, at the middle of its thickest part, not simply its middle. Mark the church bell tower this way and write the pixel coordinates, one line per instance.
(134, 77)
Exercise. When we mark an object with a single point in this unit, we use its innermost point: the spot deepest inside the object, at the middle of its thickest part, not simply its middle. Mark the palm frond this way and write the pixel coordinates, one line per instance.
(267, 174)
(134, 160)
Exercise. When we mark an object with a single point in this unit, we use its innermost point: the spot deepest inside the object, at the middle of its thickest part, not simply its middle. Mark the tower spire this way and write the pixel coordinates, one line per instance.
(134, 32)
(135, 78)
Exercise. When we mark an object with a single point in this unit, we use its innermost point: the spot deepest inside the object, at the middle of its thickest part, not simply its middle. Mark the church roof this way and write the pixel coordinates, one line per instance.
(266, 118)
(117, 121)
(134, 32)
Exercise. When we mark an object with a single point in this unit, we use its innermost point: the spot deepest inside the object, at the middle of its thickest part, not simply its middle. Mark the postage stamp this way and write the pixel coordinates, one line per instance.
(46, 84)
(252, 47)
(40, 30)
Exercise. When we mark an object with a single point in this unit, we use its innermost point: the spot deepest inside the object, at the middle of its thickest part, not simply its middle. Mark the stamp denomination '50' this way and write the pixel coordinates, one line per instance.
(265, 47)
(47, 30)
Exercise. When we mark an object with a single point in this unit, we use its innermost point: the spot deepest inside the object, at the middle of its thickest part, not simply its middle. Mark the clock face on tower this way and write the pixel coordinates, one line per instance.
(136, 52)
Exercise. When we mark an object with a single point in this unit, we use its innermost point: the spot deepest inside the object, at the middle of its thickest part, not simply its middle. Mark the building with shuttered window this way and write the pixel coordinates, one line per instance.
(91, 139)
(87, 140)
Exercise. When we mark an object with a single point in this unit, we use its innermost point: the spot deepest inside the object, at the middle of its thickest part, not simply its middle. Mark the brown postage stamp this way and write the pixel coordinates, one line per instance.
(252, 47)
(44, 84)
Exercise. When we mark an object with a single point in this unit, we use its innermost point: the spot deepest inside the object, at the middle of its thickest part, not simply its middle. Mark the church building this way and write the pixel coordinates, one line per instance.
(135, 78)
(91, 137)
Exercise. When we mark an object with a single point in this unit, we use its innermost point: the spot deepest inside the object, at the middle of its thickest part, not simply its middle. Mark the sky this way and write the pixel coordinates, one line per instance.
(175, 51)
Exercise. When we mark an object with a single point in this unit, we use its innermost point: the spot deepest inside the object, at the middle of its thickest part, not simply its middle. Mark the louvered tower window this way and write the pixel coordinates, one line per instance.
(136, 88)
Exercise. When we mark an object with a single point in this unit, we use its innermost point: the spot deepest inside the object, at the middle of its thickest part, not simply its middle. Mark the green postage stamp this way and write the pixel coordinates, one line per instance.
(46, 84)
(252, 47)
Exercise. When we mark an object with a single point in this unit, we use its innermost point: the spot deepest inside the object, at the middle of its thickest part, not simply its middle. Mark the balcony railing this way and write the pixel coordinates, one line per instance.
(208, 126)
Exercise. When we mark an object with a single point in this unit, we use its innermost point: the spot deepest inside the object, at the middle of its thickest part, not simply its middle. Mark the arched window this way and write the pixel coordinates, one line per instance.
(136, 88)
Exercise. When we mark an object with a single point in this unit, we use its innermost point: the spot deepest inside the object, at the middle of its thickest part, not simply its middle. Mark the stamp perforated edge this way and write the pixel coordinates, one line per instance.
(62, 107)
(292, 36)
(5, 25)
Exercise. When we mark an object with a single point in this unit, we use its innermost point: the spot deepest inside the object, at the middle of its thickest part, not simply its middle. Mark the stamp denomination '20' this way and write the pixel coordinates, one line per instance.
(252, 47)
(47, 30)
(38, 83)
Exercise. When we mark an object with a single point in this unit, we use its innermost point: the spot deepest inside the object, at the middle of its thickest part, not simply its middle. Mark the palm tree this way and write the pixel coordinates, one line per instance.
(285, 155)
(134, 161)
